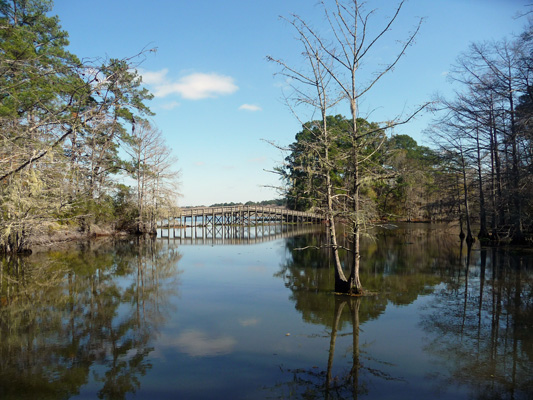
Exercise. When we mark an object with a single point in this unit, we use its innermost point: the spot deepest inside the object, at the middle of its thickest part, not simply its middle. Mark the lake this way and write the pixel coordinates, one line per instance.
(240, 313)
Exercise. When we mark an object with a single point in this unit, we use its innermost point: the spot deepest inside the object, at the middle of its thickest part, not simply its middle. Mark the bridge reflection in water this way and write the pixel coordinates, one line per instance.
(236, 225)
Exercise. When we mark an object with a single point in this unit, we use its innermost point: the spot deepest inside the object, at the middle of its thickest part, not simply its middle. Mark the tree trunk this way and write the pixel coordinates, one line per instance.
(461, 231)
(354, 281)
(341, 283)
(469, 237)
(483, 231)
(516, 214)
(493, 177)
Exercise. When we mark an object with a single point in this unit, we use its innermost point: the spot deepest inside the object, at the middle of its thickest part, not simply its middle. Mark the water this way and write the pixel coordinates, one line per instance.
(254, 318)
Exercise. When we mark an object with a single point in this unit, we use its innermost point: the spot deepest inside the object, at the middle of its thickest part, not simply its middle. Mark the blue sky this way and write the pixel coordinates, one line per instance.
(217, 99)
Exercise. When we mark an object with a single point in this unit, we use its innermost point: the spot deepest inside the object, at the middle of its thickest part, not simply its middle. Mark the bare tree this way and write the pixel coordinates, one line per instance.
(339, 54)
(151, 166)
(491, 116)
(311, 89)
(452, 139)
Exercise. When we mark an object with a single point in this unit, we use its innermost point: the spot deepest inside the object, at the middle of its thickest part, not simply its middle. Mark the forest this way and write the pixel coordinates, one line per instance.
(477, 172)
(355, 172)
(78, 150)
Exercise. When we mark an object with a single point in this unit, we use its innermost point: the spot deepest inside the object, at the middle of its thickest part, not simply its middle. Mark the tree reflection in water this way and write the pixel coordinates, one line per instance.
(443, 321)
(310, 277)
(476, 319)
(481, 322)
(338, 382)
(69, 318)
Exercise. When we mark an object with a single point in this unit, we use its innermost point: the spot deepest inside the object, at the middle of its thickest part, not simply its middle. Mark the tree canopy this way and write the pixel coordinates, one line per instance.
(62, 122)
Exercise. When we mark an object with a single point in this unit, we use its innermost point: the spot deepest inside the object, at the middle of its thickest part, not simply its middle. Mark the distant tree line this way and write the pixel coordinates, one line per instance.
(275, 202)
(63, 122)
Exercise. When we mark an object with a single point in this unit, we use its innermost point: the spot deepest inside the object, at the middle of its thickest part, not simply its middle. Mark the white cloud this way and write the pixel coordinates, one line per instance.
(154, 77)
(250, 107)
(194, 86)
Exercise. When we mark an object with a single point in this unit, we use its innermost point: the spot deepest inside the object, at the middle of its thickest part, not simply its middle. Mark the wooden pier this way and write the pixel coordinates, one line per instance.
(236, 215)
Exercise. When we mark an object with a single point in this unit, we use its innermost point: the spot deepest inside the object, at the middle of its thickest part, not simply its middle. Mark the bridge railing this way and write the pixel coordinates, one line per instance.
(229, 209)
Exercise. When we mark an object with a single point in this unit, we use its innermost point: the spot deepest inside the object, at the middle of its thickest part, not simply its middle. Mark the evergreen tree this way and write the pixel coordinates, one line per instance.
(62, 122)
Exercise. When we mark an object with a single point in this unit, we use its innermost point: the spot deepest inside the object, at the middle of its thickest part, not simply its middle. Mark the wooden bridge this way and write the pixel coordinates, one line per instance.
(236, 215)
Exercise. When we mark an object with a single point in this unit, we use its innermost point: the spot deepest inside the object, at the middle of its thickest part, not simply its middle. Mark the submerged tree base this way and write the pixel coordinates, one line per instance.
(345, 288)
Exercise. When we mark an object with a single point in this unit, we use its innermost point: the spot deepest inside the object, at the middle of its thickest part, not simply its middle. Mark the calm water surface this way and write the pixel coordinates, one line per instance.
(244, 315)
